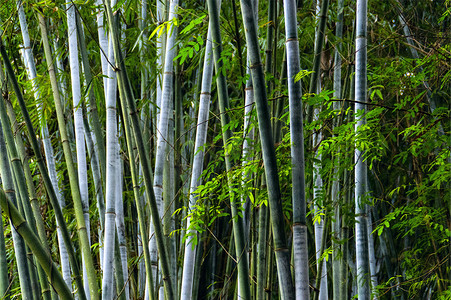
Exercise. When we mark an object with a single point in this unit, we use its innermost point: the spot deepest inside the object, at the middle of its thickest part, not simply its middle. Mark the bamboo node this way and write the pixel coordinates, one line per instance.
(280, 249)
(255, 66)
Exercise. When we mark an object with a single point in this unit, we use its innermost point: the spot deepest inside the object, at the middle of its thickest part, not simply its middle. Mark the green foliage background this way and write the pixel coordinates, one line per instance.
(407, 146)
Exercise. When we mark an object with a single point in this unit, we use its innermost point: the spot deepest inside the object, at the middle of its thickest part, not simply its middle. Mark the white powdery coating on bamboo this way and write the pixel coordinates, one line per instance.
(318, 186)
(362, 263)
(48, 149)
(160, 55)
(78, 124)
(297, 153)
(112, 169)
(196, 179)
(163, 125)
(103, 44)
(300, 248)
(120, 225)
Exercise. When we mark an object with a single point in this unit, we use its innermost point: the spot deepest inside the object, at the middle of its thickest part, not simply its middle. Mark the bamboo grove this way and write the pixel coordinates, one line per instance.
(244, 149)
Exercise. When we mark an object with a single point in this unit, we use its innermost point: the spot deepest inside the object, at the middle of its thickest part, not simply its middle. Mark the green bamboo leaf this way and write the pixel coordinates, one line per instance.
(301, 75)
(192, 24)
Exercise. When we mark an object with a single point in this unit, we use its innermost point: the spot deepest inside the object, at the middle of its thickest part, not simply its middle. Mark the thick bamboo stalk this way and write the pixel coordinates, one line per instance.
(67, 155)
(127, 99)
(22, 227)
(95, 147)
(196, 179)
(162, 129)
(89, 274)
(7, 183)
(336, 222)
(23, 183)
(147, 121)
(103, 44)
(35, 205)
(138, 200)
(361, 239)
(317, 183)
(269, 157)
(238, 230)
(92, 111)
(169, 185)
(263, 212)
(112, 169)
(160, 47)
(50, 159)
(248, 137)
(297, 153)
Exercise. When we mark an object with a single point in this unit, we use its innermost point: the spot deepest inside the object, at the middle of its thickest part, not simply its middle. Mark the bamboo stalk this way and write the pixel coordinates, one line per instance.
(248, 137)
(127, 98)
(22, 227)
(196, 179)
(336, 222)
(169, 185)
(103, 45)
(92, 111)
(162, 129)
(269, 157)
(62, 127)
(320, 273)
(239, 235)
(25, 279)
(319, 41)
(139, 205)
(263, 216)
(34, 203)
(113, 161)
(362, 260)
(297, 153)
(50, 159)
(89, 274)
